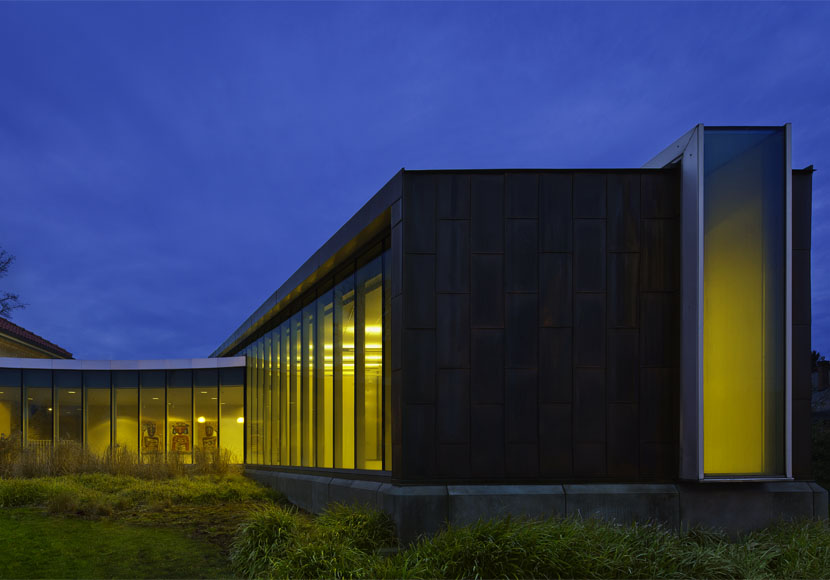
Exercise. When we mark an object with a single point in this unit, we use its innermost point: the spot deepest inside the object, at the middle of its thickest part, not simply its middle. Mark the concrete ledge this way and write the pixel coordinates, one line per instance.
(624, 503)
(470, 503)
(418, 509)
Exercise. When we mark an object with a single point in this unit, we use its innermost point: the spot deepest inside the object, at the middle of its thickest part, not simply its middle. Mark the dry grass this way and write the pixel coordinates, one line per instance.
(71, 458)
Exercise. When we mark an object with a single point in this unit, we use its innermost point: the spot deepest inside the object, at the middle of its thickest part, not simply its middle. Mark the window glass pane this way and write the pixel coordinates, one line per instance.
(344, 322)
(252, 441)
(275, 397)
(387, 362)
(152, 400)
(125, 392)
(285, 387)
(325, 379)
(68, 395)
(266, 399)
(307, 406)
(744, 308)
(180, 414)
(295, 402)
(206, 406)
(369, 365)
(38, 388)
(231, 412)
(11, 428)
(98, 407)
(39, 404)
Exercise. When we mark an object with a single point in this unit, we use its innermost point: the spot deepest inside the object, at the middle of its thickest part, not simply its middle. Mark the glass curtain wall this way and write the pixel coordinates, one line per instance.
(155, 413)
(744, 301)
(324, 371)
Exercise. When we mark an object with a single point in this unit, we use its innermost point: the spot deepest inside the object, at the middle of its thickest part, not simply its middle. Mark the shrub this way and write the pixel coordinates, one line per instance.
(362, 528)
(263, 538)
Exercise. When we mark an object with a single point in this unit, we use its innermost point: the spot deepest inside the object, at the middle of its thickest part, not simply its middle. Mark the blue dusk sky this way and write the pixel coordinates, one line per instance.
(164, 167)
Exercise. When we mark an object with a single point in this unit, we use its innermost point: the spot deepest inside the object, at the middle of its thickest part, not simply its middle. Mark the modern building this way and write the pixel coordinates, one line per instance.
(629, 343)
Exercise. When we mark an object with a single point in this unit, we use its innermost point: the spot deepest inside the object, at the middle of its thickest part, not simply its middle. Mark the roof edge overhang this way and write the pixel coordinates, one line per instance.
(122, 365)
(367, 223)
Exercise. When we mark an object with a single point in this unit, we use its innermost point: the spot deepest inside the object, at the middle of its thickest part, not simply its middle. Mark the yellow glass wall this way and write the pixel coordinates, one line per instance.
(319, 385)
(744, 302)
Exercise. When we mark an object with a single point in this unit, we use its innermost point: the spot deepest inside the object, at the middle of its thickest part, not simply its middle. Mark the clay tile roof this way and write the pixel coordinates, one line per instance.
(11, 329)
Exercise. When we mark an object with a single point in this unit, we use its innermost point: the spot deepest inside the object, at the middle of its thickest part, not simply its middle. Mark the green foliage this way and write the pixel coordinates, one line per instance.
(263, 538)
(360, 527)
(38, 546)
(346, 542)
(99, 494)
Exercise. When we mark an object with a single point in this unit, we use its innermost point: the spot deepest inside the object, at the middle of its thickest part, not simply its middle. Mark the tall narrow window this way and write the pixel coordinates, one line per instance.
(744, 301)
(275, 397)
(128, 431)
(265, 373)
(11, 428)
(369, 366)
(296, 380)
(38, 388)
(387, 366)
(232, 412)
(308, 407)
(68, 396)
(325, 380)
(98, 401)
(153, 425)
(344, 373)
(206, 410)
(180, 414)
(251, 435)
(285, 397)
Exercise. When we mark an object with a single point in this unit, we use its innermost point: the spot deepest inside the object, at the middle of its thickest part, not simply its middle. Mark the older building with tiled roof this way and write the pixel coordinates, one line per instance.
(16, 341)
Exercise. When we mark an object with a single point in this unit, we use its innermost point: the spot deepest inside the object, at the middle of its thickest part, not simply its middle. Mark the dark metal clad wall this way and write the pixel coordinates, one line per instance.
(536, 320)
(802, 210)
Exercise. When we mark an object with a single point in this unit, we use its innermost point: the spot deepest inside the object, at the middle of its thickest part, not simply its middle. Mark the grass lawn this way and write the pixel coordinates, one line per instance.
(38, 545)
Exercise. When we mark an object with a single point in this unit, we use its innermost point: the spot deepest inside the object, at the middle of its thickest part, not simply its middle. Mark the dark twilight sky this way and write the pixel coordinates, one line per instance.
(164, 167)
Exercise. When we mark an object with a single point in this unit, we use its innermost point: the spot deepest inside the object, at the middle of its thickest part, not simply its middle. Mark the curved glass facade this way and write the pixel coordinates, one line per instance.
(318, 381)
(151, 412)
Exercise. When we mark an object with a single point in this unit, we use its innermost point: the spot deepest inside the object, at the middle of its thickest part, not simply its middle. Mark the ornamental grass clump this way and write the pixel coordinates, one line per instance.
(264, 538)
(361, 527)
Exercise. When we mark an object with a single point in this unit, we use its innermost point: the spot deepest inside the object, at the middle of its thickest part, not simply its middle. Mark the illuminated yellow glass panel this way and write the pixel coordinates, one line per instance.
(369, 391)
(308, 387)
(231, 412)
(325, 380)
(743, 302)
(344, 374)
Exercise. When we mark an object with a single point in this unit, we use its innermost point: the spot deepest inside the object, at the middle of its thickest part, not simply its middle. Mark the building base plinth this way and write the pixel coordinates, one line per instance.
(425, 509)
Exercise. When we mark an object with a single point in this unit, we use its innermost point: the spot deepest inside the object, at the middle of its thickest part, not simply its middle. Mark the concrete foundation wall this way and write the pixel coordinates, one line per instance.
(418, 509)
